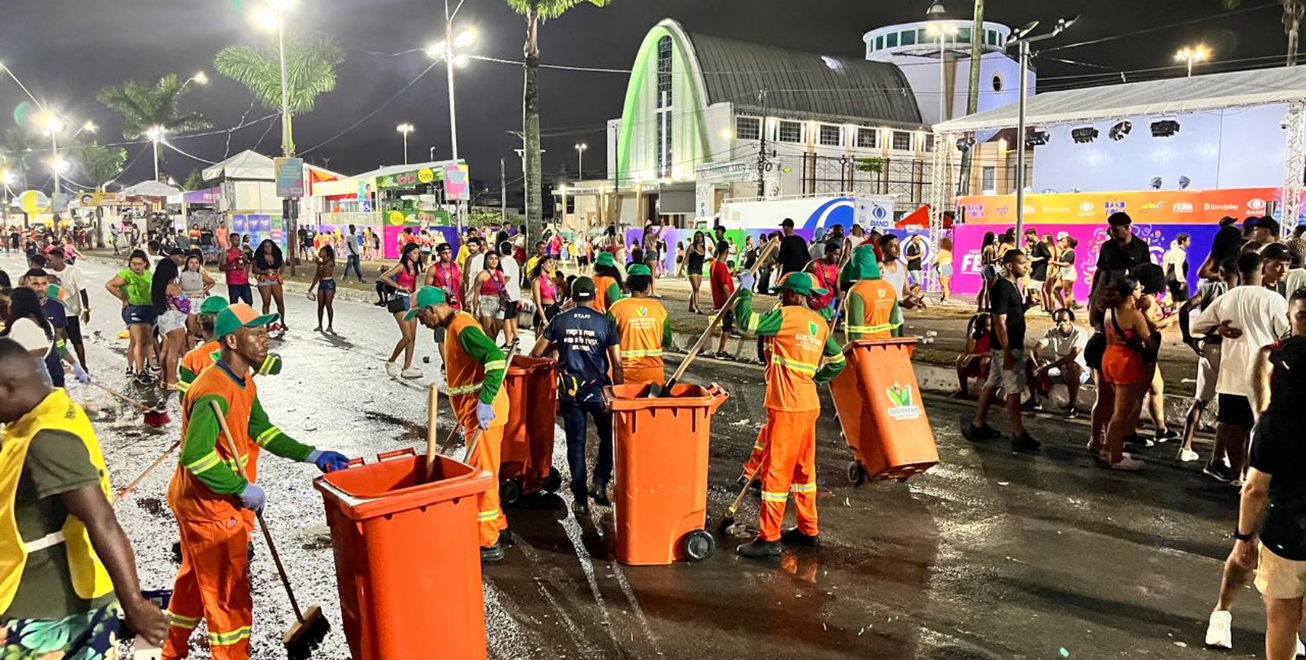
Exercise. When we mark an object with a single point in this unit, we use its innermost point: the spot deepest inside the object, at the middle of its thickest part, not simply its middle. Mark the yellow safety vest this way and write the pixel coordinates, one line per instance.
(56, 413)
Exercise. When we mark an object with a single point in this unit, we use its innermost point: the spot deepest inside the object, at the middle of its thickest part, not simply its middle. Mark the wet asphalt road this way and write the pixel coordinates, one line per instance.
(989, 555)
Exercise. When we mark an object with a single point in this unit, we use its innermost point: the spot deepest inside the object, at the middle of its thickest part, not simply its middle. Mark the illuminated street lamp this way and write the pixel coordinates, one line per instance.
(452, 52)
(52, 125)
(273, 17)
(1193, 55)
(199, 78)
(405, 128)
(156, 135)
(580, 160)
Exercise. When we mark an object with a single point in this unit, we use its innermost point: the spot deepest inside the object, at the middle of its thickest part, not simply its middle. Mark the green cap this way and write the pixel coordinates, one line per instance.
(638, 269)
(583, 290)
(862, 266)
(427, 296)
(605, 259)
(213, 305)
(238, 316)
(800, 283)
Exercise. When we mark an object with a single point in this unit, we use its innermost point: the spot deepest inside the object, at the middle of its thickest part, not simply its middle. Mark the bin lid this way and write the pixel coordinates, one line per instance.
(387, 487)
(636, 397)
(524, 364)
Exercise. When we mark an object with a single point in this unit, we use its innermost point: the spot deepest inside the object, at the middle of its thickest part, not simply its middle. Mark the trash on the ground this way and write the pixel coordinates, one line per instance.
(1065, 653)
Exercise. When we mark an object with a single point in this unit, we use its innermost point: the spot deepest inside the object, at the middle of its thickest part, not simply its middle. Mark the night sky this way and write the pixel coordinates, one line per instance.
(66, 50)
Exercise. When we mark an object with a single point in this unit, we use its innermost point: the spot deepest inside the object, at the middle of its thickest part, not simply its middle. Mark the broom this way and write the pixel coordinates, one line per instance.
(728, 520)
(146, 472)
(656, 391)
(310, 627)
(154, 417)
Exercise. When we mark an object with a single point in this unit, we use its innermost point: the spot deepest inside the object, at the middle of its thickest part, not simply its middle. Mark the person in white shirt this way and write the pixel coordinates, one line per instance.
(1063, 365)
(351, 255)
(77, 303)
(1175, 264)
(512, 277)
(1248, 318)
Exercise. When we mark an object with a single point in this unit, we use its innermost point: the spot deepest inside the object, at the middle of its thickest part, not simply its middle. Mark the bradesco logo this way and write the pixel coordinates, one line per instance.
(902, 407)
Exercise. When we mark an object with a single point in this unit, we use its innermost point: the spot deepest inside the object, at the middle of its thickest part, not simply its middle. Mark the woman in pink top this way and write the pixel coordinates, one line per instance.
(402, 277)
(489, 294)
(545, 292)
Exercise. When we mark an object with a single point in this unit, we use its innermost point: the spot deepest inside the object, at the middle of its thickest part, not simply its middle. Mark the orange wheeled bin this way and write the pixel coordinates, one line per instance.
(881, 411)
(526, 459)
(661, 484)
(408, 562)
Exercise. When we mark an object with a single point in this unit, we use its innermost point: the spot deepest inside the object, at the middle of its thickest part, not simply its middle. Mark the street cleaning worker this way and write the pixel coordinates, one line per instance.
(66, 568)
(872, 308)
(607, 282)
(588, 347)
(644, 329)
(475, 368)
(197, 359)
(802, 338)
(212, 502)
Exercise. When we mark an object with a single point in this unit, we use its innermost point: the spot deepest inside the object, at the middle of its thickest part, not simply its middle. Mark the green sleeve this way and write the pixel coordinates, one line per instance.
(834, 361)
(895, 318)
(762, 325)
(272, 438)
(666, 333)
(613, 294)
(184, 379)
(483, 349)
(199, 449)
(856, 315)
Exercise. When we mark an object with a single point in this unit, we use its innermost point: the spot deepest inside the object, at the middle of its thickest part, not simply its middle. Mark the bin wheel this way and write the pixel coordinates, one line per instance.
(554, 481)
(856, 474)
(510, 492)
(698, 545)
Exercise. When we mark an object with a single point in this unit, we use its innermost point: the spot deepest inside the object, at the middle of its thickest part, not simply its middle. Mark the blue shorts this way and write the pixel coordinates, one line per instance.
(326, 286)
(139, 315)
(946, 270)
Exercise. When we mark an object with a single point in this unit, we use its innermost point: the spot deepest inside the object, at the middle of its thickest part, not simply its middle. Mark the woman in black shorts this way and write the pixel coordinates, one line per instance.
(694, 267)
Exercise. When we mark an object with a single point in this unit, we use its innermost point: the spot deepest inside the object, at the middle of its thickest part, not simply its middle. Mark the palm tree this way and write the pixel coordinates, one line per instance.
(311, 62)
(144, 106)
(1293, 12)
(536, 12)
(17, 152)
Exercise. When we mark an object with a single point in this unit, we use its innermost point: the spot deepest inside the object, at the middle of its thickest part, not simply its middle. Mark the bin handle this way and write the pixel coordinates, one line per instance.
(387, 455)
(355, 461)
(719, 396)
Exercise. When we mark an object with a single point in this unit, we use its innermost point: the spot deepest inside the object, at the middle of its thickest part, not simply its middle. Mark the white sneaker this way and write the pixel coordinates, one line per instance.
(1188, 455)
(1301, 649)
(1219, 632)
(1129, 463)
(391, 369)
(411, 372)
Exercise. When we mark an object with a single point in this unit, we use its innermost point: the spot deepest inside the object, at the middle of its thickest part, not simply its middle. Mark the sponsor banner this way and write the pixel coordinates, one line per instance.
(968, 240)
(1152, 207)
(456, 186)
(390, 237)
(290, 177)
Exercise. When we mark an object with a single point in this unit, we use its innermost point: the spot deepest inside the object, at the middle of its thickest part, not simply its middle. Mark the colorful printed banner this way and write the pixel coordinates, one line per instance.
(1185, 207)
(970, 238)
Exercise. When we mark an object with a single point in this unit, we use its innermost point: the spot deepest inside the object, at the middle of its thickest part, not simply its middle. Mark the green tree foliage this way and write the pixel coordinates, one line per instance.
(144, 106)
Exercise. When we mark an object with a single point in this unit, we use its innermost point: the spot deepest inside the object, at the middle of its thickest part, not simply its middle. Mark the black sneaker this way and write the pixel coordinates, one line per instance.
(796, 536)
(492, 554)
(1139, 441)
(580, 504)
(1166, 435)
(978, 433)
(1074, 413)
(724, 356)
(757, 548)
(1218, 471)
(1024, 442)
(599, 494)
(1031, 405)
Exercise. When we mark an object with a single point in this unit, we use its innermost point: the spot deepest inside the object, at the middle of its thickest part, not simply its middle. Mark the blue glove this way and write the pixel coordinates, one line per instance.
(328, 461)
(82, 377)
(253, 497)
(484, 414)
(747, 280)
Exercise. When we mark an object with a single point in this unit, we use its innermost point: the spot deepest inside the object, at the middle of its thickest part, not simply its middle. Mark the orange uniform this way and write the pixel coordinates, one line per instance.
(474, 370)
(872, 310)
(801, 339)
(606, 292)
(645, 329)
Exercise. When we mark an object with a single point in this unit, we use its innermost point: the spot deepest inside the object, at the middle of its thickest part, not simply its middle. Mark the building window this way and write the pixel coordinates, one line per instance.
(790, 131)
(748, 128)
(879, 43)
(923, 37)
(891, 40)
(909, 38)
(902, 141)
(831, 136)
(997, 83)
(664, 136)
(988, 178)
(867, 138)
(929, 142)
(963, 35)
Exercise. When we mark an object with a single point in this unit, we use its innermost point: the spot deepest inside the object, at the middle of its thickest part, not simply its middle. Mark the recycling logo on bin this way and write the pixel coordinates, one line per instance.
(902, 409)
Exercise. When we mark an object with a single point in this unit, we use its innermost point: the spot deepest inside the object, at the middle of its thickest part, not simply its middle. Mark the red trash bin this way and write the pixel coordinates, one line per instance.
(526, 459)
(880, 409)
(661, 447)
(408, 562)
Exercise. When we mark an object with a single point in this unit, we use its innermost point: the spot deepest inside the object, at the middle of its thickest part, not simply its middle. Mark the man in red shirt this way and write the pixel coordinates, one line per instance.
(723, 285)
(236, 268)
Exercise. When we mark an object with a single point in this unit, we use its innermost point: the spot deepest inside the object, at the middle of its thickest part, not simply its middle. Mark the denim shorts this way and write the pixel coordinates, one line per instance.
(325, 286)
(139, 315)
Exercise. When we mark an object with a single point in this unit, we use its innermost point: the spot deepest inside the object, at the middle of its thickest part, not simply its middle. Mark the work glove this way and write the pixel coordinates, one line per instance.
(484, 414)
(253, 497)
(328, 461)
(82, 377)
(747, 280)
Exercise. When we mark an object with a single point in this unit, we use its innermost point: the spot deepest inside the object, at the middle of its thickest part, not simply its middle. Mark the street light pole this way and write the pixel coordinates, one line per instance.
(580, 160)
(404, 129)
(287, 149)
(448, 68)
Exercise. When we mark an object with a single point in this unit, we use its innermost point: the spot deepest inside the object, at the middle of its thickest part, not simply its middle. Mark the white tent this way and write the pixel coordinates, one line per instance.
(246, 165)
(1154, 98)
(151, 189)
